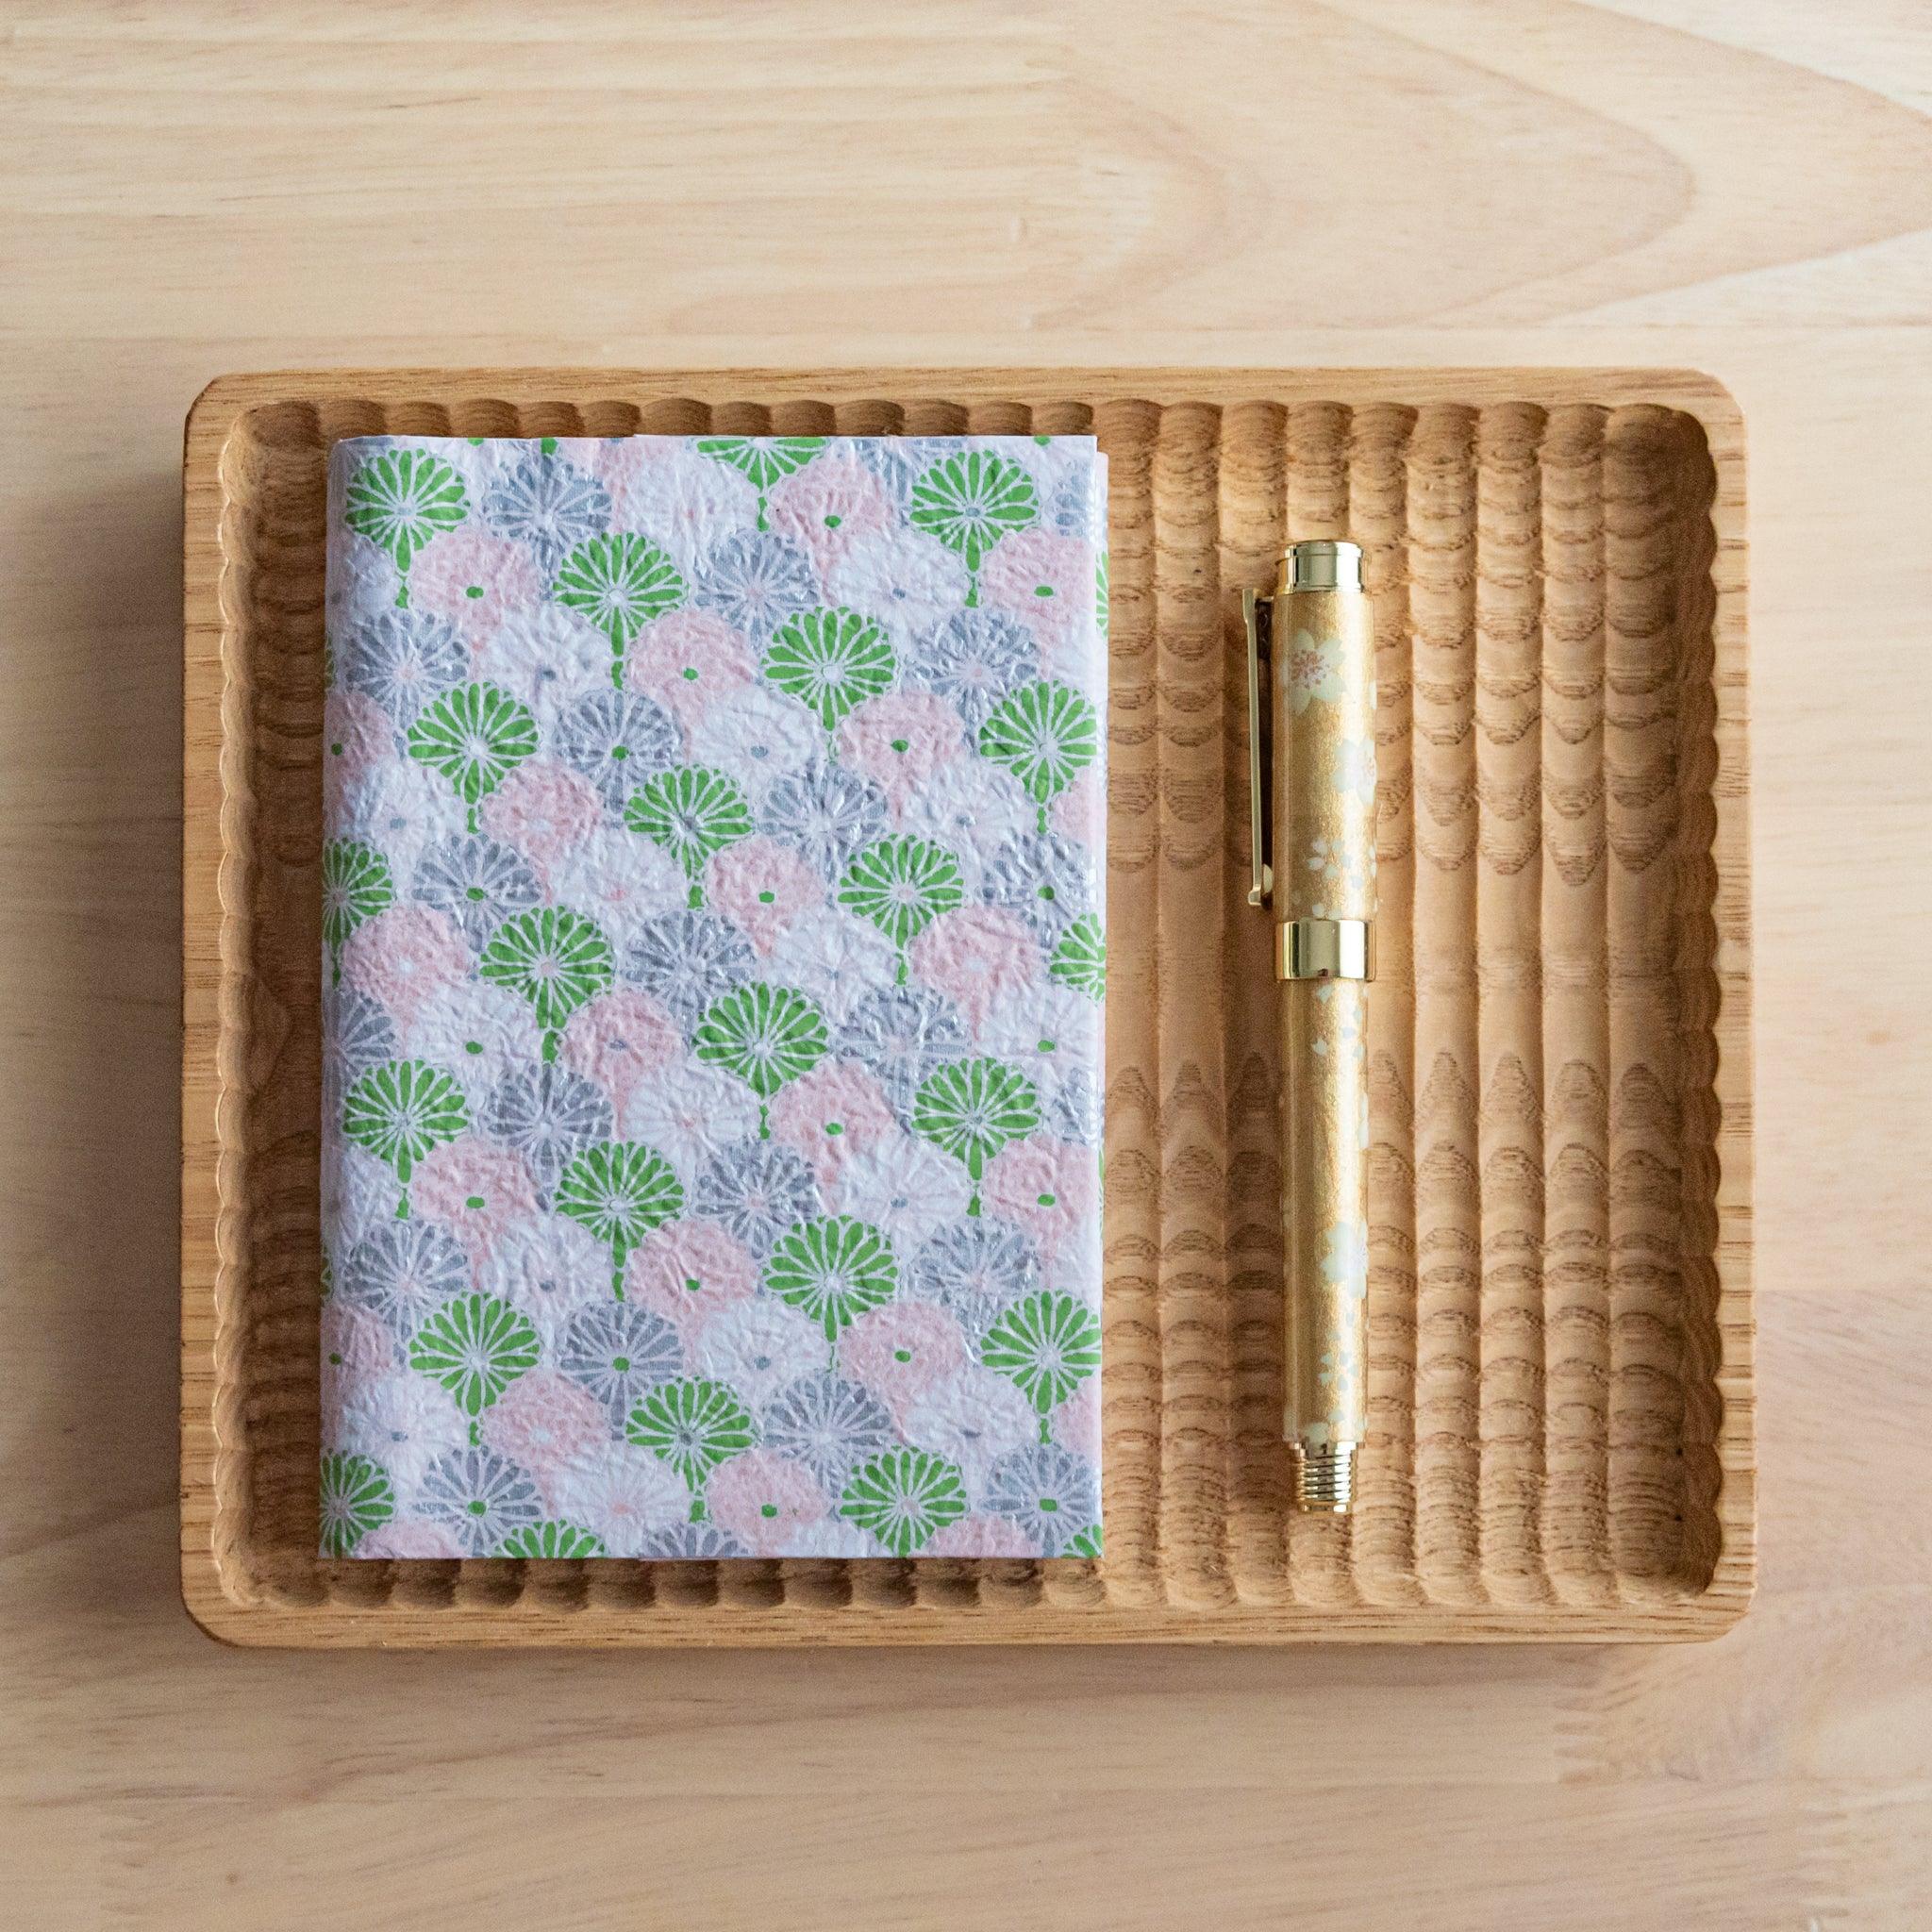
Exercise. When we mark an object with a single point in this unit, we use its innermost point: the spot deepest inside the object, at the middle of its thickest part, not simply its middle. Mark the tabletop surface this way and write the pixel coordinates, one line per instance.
(187, 189)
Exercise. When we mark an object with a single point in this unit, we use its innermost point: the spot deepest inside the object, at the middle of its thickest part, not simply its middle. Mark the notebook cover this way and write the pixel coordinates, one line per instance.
(712, 998)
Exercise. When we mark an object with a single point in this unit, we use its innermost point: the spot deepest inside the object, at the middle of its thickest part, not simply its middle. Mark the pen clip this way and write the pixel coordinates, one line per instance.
(1260, 838)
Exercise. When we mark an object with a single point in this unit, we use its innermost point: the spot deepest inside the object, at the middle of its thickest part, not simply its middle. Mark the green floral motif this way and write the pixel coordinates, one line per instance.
(1043, 734)
(905, 1497)
(693, 1425)
(833, 1270)
(831, 661)
(971, 1108)
(476, 736)
(970, 502)
(400, 500)
(762, 460)
(692, 812)
(475, 1346)
(766, 1035)
(1086, 1544)
(356, 1497)
(399, 1111)
(1046, 1346)
(902, 885)
(557, 960)
(620, 582)
(551, 1539)
(1080, 958)
(619, 1190)
(356, 884)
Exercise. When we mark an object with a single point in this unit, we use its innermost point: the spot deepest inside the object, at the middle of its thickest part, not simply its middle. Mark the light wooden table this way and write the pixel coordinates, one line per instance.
(1743, 187)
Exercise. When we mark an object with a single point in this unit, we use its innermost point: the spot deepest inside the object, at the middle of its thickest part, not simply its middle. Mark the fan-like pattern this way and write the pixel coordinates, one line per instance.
(711, 912)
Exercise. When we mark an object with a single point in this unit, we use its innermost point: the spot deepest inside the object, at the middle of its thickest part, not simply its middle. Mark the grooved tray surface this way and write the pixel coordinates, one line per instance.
(1559, 1328)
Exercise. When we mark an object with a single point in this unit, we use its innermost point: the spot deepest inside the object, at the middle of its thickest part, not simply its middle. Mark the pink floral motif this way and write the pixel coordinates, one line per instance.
(689, 660)
(834, 1112)
(902, 1350)
(1045, 580)
(544, 1421)
(762, 911)
(478, 1191)
(977, 956)
(763, 1500)
(473, 580)
(404, 956)
(1080, 812)
(981, 1537)
(354, 1341)
(761, 887)
(617, 1038)
(1047, 1186)
(357, 1347)
(357, 737)
(544, 809)
(900, 739)
(409, 1541)
(828, 505)
(1076, 1420)
(686, 1271)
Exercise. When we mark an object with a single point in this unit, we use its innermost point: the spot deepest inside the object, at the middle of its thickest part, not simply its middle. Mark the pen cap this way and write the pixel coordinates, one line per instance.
(1320, 565)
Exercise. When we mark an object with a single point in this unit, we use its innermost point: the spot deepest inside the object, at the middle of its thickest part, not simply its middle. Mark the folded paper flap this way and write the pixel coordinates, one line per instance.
(712, 996)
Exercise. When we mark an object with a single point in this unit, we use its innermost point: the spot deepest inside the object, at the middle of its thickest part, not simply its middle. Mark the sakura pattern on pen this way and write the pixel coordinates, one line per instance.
(713, 968)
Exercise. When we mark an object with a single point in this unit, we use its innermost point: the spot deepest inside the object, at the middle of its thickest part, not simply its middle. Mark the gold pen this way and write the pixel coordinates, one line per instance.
(1311, 643)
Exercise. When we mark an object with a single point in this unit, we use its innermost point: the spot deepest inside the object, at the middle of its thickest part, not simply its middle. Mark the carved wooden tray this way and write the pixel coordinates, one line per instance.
(1560, 1379)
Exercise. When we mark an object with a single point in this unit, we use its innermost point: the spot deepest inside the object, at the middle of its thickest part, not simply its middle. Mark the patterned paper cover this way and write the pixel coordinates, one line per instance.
(713, 996)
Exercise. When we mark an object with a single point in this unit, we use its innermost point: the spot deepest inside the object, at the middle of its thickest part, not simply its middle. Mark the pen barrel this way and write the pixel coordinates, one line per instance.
(1324, 884)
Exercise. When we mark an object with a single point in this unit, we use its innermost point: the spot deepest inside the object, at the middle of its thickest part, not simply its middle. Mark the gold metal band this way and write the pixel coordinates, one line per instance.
(1323, 1478)
(1324, 949)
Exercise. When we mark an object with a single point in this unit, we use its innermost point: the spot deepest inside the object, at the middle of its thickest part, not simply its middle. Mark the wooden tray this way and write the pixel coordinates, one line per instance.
(1559, 1293)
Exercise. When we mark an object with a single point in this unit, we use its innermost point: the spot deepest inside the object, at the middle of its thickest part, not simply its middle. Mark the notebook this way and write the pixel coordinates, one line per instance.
(712, 991)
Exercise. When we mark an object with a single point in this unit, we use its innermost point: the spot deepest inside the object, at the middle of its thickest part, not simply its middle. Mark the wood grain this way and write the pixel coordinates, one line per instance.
(1670, 1538)
(1744, 188)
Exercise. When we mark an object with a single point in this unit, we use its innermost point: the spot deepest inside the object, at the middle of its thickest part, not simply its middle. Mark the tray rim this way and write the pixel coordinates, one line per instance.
(214, 975)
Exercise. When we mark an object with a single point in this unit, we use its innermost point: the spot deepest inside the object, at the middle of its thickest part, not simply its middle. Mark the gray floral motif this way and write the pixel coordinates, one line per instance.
(405, 1273)
(619, 1353)
(899, 461)
(478, 882)
(828, 1424)
(616, 739)
(756, 582)
(689, 961)
(976, 1268)
(641, 1245)
(402, 659)
(1043, 879)
(902, 1033)
(479, 1497)
(1052, 1495)
(548, 504)
(1073, 1113)
(547, 1113)
(355, 1036)
(759, 1190)
(1069, 508)
(975, 659)
(691, 1542)
(829, 813)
